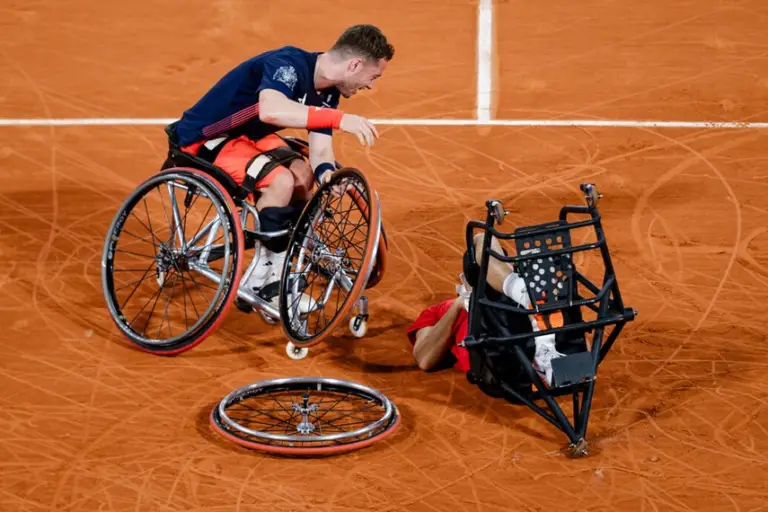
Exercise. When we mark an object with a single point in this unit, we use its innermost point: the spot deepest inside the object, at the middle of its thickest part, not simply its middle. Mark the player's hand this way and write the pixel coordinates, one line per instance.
(326, 177)
(361, 128)
(337, 190)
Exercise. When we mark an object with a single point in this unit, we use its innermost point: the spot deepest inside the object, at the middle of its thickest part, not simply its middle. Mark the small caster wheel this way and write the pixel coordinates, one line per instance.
(295, 352)
(358, 326)
(499, 213)
(579, 449)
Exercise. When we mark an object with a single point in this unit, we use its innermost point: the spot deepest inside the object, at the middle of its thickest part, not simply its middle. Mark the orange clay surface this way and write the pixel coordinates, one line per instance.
(88, 423)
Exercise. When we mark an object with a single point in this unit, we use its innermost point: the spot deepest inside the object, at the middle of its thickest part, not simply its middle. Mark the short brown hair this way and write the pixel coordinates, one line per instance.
(366, 41)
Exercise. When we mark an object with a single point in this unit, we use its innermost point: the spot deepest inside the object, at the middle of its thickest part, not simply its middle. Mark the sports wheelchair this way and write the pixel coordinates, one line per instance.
(501, 340)
(175, 255)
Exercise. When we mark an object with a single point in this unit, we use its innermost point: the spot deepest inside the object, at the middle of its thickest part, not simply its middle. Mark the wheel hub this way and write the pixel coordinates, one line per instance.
(305, 427)
(168, 258)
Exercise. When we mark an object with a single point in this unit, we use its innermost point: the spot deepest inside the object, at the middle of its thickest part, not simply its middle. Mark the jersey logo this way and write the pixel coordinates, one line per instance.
(286, 75)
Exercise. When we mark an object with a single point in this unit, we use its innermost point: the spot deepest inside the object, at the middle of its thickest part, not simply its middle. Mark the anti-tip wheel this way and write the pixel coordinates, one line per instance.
(358, 326)
(295, 352)
(579, 449)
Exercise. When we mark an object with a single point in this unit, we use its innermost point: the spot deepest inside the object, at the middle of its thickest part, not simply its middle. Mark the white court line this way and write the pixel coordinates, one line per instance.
(606, 123)
(484, 58)
(88, 121)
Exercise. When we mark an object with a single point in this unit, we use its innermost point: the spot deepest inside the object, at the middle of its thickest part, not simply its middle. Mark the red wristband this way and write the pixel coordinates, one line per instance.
(324, 118)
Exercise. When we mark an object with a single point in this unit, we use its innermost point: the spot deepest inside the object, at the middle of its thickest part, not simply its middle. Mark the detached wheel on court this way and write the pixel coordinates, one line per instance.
(330, 258)
(172, 261)
(305, 416)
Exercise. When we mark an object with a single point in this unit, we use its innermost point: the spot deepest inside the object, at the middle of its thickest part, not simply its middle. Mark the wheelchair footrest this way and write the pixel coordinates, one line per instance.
(243, 305)
(253, 236)
(572, 369)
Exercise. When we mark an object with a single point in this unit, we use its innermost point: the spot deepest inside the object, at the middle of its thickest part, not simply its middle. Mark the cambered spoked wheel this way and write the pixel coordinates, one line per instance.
(330, 260)
(172, 261)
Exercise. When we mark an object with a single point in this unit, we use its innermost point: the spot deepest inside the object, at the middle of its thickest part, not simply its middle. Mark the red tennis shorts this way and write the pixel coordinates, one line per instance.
(237, 154)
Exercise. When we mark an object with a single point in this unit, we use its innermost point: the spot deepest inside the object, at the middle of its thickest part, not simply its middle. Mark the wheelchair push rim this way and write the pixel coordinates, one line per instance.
(359, 196)
(305, 416)
(172, 261)
(330, 258)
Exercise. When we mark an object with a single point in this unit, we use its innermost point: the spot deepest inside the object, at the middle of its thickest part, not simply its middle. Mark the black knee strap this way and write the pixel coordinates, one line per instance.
(298, 207)
(261, 165)
(276, 218)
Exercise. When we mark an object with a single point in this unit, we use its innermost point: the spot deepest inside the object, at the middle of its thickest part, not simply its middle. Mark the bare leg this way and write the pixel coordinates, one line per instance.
(271, 205)
(278, 193)
(498, 271)
(303, 179)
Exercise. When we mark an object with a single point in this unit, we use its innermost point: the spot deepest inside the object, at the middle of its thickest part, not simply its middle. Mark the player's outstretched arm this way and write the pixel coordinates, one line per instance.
(433, 342)
(277, 109)
(321, 156)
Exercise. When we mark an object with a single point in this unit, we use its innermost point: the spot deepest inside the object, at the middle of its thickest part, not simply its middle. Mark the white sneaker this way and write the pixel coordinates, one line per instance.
(276, 261)
(267, 283)
(262, 269)
(542, 359)
(265, 279)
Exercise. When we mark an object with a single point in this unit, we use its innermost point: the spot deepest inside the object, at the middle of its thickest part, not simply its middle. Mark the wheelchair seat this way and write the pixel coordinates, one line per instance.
(178, 158)
(496, 364)
(204, 162)
(501, 341)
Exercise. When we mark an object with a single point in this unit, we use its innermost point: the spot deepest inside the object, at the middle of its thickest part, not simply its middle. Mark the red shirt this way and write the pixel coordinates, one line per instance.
(430, 316)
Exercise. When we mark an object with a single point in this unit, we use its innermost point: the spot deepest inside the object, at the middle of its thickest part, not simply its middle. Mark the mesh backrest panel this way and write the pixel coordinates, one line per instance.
(548, 278)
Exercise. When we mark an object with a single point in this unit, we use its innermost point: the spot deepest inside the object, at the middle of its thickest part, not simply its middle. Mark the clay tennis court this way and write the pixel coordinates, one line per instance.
(679, 421)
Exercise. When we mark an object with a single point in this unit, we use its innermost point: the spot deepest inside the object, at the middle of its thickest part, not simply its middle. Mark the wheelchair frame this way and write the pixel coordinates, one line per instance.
(574, 374)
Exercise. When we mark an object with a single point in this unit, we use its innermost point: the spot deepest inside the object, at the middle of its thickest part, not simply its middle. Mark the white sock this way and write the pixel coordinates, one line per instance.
(514, 288)
(545, 343)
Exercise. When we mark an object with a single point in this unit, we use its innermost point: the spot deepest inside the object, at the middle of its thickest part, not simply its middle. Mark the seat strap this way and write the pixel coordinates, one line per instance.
(262, 164)
(211, 148)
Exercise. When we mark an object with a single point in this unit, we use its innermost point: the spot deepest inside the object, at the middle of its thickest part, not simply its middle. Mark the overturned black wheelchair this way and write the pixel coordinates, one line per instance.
(591, 311)
(176, 253)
